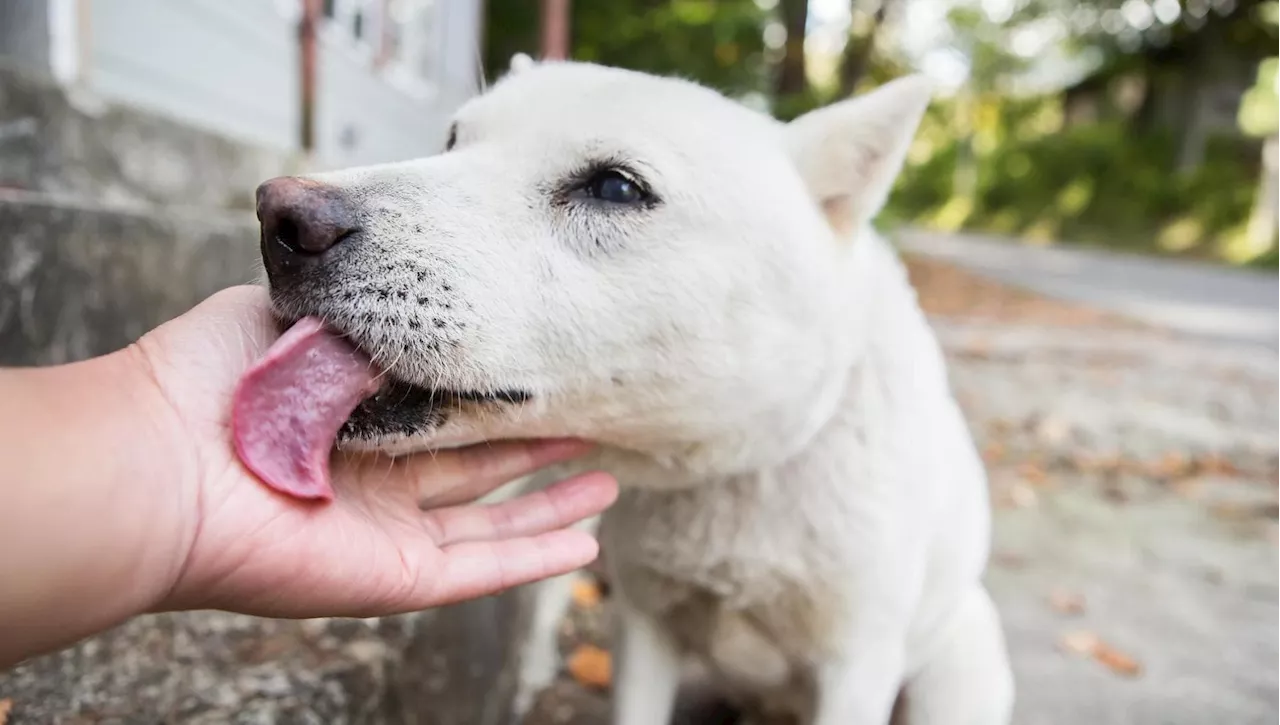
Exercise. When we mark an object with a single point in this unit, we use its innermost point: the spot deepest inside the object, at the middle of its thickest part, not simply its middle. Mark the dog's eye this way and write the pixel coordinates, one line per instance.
(614, 187)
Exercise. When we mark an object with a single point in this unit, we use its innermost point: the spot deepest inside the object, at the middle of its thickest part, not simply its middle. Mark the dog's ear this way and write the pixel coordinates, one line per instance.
(520, 62)
(849, 153)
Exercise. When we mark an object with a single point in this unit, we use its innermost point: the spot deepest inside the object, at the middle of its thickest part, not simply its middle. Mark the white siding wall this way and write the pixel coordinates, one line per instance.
(226, 65)
(232, 66)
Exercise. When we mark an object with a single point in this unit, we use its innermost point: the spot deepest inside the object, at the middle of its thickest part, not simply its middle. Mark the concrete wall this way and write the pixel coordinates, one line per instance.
(24, 33)
(79, 279)
(116, 154)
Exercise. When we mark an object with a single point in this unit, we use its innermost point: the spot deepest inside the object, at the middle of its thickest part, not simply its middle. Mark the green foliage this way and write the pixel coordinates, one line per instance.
(790, 107)
(715, 42)
(511, 26)
(1096, 184)
(1258, 108)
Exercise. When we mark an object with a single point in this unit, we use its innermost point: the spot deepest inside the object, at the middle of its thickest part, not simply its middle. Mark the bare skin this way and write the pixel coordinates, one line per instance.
(122, 495)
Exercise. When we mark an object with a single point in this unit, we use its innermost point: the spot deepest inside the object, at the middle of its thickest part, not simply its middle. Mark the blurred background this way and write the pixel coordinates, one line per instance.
(1089, 214)
(1131, 124)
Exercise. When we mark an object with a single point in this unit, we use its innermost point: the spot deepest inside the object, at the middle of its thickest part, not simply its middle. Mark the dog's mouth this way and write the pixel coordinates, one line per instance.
(312, 388)
(403, 409)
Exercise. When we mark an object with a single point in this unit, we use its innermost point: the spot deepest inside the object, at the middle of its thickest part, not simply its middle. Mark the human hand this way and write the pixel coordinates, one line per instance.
(372, 551)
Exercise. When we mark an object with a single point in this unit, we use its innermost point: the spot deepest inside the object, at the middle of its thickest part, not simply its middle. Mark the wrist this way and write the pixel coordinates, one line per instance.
(98, 501)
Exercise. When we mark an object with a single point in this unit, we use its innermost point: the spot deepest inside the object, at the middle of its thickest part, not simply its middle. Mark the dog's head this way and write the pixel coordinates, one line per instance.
(597, 253)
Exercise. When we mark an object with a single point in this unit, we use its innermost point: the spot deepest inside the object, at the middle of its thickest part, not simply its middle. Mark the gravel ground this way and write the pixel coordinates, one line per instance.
(1134, 474)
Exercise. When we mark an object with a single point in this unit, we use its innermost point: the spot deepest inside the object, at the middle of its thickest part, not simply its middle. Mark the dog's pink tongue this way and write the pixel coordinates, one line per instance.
(290, 404)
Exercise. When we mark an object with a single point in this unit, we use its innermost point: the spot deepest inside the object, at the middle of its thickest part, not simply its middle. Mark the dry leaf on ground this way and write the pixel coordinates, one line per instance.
(1083, 642)
(1119, 662)
(993, 453)
(1017, 495)
(1079, 643)
(1033, 473)
(586, 594)
(1214, 464)
(1171, 465)
(5, 706)
(591, 666)
(1065, 602)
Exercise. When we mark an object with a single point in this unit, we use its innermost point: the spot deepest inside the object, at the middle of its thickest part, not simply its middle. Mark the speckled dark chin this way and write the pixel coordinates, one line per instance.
(401, 409)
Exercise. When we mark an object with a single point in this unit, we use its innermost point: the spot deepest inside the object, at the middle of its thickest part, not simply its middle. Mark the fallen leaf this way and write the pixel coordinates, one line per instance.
(1215, 464)
(1051, 430)
(1081, 642)
(1019, 496)
(1172, 465)
(1065, 602)
(1084, 642)
(586, 594)
(1119, 662)
(5, 706)
(591, 666)
(993, 453)
(1032, 473)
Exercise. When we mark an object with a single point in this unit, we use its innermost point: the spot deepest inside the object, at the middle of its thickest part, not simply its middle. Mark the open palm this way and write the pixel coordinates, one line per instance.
(402, 534)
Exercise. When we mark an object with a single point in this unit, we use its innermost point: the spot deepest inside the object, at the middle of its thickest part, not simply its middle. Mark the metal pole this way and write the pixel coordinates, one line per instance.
(307, 48)
(555, 29)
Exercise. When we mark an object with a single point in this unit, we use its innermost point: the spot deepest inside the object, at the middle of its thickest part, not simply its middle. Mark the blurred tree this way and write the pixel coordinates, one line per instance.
(1259, 116)
(1191, 60)
(982, 35)
(793, 80)
(715, 42)
(866, 19)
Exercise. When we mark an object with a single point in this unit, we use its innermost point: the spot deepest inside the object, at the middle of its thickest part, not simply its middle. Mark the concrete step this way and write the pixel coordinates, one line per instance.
(67, 141)
(80, 278)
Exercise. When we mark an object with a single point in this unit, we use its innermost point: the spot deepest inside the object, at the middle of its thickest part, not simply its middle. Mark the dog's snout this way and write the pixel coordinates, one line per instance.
(301, 220)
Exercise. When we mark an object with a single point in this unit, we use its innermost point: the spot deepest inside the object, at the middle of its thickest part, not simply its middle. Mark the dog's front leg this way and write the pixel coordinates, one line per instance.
(860, 687)
(648, 675)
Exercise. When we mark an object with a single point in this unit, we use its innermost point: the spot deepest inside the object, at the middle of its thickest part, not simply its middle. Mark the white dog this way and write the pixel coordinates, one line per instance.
(643, 263)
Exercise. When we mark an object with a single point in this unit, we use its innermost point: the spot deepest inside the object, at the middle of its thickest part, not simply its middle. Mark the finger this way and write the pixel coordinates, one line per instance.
(555, 507)
(476, 569)
(451, 477)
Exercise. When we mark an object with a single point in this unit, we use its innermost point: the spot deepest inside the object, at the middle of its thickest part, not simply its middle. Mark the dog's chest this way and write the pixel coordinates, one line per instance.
(743, 554)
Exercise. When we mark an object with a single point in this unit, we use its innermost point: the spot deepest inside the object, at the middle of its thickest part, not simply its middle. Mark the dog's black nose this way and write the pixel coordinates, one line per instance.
(301, 220)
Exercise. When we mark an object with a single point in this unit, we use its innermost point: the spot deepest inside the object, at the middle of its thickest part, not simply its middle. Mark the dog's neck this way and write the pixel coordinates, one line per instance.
(885, 336)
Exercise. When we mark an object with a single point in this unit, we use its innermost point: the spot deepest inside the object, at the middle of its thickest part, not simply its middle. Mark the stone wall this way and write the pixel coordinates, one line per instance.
(72, 143)
(79, 279)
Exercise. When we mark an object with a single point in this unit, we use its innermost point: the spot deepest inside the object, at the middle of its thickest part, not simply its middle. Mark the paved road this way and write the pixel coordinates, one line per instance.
(1227, 304)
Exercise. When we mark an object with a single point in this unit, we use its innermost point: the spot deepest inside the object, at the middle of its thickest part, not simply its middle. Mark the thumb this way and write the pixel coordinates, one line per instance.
(217, 339)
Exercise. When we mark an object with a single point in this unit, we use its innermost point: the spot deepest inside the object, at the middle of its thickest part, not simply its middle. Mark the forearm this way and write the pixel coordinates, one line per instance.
(86, 534)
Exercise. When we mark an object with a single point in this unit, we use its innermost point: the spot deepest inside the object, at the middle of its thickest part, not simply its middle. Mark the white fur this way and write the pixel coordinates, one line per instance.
(803, 508)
